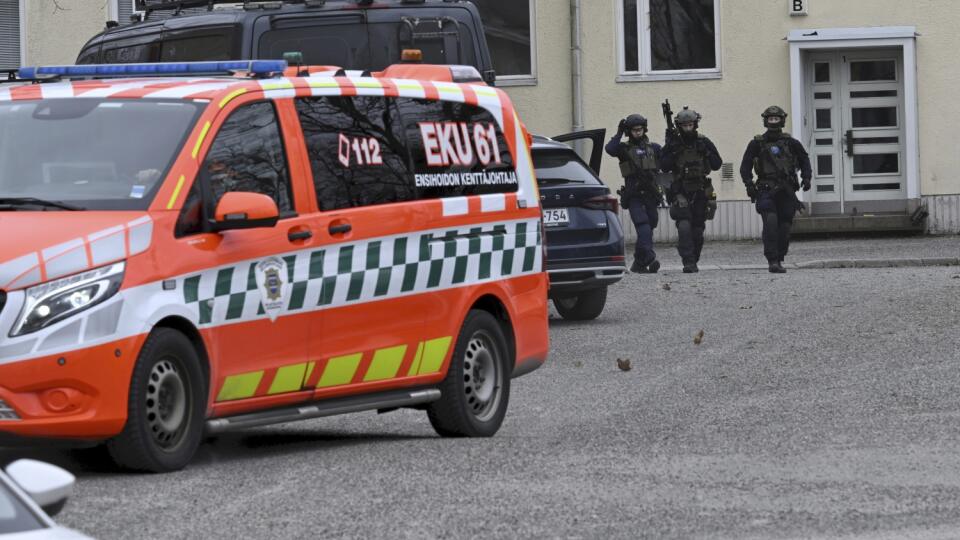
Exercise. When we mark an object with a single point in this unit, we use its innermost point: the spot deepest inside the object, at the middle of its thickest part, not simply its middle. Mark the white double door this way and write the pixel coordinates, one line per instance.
(854, 130)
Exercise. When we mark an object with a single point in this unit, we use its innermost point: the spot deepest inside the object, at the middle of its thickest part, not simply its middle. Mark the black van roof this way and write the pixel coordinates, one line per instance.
(170, 14)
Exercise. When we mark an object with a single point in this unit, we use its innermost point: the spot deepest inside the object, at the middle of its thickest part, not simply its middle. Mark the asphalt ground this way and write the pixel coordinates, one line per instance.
(819, 403)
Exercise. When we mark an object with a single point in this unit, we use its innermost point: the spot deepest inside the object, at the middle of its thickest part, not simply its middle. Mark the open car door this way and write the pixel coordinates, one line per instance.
(587, 144)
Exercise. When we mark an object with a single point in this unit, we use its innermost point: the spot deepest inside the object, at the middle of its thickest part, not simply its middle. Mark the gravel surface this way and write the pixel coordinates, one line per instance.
(820, 403)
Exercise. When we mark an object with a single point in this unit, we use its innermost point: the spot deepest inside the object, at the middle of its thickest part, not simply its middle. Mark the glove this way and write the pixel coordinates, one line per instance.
(806, 184)
(622, 127)
(752, 192)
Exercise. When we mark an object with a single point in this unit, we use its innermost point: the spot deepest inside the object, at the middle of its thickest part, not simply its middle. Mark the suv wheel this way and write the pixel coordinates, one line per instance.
(166, 406)
(585, 306)
(476, 390)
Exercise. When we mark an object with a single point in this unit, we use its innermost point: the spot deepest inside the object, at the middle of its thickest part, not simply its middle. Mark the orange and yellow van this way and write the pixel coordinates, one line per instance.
(198, 247)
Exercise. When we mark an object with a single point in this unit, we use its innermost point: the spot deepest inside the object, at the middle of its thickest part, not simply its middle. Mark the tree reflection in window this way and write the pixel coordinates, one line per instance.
(328, 124)
(682, 34)
(247, 155)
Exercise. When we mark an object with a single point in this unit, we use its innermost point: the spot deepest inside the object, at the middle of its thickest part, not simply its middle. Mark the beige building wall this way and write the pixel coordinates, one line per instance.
(55, 31)
(755, 73)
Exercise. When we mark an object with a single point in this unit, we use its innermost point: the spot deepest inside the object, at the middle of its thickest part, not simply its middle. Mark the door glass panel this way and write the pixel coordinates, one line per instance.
(823, 119)
(828, 188)
(825, 165)
(822, 95)
(873, 70)
(877, 140)
(875, 187)
(876, 164)
(821, 72)
(870, 117)
(824, 142)
(873, 94)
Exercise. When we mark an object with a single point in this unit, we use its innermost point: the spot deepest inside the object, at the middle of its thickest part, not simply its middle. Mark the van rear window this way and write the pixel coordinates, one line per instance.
(375, 150)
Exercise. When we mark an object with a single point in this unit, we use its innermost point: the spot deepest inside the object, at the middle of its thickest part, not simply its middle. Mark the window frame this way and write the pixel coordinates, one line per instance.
(529, 79)
(644, 57)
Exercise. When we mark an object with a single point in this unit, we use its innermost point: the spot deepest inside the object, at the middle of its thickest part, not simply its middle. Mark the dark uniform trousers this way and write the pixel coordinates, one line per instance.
(690, 226)
(643, 213)
(777, 207)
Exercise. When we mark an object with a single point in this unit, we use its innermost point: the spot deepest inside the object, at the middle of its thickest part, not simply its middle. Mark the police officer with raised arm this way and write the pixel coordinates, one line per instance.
(639, 164)
(691, 157)
(776, 157)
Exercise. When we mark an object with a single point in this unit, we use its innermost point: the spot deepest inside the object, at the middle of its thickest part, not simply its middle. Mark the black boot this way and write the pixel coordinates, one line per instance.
(653, 267)
(690, 268)
(776, 268)
(636, 268)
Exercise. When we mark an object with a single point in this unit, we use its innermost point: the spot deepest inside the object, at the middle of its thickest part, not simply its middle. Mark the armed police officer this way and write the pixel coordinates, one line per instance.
(690, 156)
(776, 157)
(639, 164)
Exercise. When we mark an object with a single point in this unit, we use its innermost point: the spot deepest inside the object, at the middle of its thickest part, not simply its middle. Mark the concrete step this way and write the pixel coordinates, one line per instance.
(880, 222)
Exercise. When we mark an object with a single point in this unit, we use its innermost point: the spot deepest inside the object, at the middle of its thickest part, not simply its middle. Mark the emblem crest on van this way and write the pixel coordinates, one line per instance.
(274, 290)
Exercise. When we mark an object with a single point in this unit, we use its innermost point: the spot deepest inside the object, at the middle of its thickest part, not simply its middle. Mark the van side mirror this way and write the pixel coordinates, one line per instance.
(244, 210)
(48, 485)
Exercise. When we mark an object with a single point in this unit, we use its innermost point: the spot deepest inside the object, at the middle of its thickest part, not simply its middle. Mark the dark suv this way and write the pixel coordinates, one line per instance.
(354, 34)
(585, 251)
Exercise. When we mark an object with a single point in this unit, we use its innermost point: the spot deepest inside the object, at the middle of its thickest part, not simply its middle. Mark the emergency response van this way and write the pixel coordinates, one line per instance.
(186, 253)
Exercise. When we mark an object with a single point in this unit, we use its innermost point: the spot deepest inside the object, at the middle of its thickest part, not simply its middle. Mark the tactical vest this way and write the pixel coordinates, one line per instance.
(640, 165)
(775, 163)
(690, 167)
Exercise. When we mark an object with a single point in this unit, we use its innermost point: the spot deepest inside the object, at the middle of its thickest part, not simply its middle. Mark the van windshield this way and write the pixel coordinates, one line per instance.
(95, 154)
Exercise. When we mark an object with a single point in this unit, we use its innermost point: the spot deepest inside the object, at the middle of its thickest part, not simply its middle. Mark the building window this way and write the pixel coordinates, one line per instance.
(668, 39)
(9, 34)
(509, 28)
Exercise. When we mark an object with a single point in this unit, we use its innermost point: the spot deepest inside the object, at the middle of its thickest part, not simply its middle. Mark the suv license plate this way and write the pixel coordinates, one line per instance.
(555, 217)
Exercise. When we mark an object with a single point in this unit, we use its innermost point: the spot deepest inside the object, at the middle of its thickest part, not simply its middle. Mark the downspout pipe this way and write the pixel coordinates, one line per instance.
(576, 50)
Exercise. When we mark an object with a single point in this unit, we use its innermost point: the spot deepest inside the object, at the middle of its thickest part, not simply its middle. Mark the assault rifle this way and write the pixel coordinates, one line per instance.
(668, 118)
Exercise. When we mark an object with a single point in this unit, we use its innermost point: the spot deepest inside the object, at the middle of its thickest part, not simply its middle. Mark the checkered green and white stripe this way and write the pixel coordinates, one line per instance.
(371, 270)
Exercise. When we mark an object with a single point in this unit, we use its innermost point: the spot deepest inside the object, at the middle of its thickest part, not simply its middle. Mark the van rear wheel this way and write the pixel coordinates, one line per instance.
(476, 390)
(166, 406)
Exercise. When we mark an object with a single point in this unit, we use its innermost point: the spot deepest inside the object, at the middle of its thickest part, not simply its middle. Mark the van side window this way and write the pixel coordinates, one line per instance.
(247, 155)
(456, 149)
(133, 50)
(330, 41)
(356, 150)
(200, 44)
(89, 55)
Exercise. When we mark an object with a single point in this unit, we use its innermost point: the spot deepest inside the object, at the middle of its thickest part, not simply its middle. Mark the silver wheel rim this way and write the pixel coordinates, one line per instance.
(166, 404)
(482, 376)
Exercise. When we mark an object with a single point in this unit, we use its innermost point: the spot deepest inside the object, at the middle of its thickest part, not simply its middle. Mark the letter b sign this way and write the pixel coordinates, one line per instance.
(798, 7)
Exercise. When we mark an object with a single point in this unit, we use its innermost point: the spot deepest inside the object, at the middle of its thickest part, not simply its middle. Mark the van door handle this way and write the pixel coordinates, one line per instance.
(295, 236)
(342, 228)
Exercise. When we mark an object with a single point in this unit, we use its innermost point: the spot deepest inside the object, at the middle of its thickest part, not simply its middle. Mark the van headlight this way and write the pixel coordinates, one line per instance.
(54, 301)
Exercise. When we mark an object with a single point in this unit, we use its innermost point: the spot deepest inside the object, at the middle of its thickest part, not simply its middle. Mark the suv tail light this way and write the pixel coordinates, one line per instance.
(603, 202)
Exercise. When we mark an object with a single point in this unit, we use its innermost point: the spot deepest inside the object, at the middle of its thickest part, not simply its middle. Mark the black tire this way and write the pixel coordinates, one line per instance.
(585, 306)
(475, 393)
(166, 406)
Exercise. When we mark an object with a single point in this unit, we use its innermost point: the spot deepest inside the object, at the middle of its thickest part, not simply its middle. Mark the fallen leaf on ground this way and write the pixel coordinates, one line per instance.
(623, 364)
(698, 339)
(578, 364)
(746, 307)
(666, 286)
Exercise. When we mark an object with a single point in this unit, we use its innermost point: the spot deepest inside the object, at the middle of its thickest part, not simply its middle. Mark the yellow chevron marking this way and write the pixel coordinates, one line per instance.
(176, 193)
(240, 386)
(434, 353)
(231, 95)
(199, 143)
(385, 364)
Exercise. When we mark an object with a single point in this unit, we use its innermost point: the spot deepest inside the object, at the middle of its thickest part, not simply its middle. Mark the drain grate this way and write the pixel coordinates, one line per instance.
(6, 412)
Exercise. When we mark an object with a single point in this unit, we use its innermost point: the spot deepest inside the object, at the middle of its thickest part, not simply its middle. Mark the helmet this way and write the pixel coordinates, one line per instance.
(687, 116)
(774, 117)
(635, 120)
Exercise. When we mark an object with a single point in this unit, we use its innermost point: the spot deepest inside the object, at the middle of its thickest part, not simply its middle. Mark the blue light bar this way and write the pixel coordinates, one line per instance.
(255, 67)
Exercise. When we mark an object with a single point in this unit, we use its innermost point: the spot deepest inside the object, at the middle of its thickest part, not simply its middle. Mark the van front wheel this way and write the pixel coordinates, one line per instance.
(166, 406)
(476, 390)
